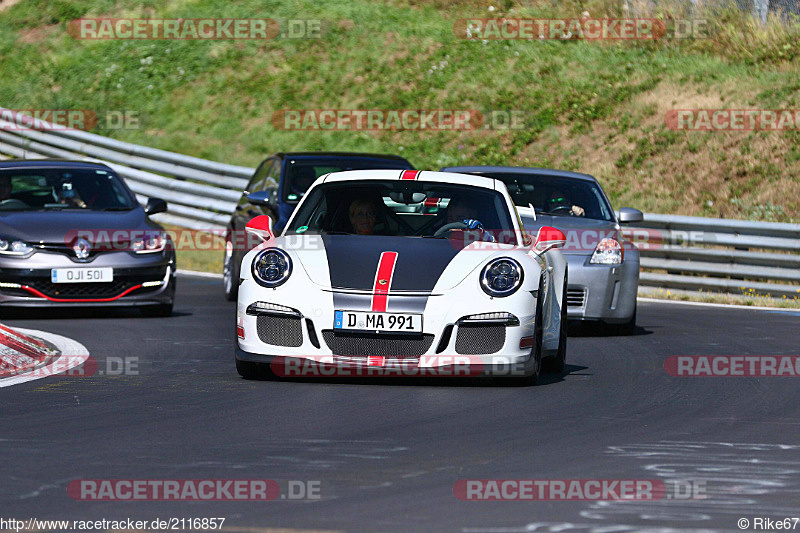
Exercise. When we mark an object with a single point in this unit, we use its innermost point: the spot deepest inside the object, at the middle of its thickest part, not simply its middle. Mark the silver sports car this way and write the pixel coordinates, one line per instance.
(603, 266)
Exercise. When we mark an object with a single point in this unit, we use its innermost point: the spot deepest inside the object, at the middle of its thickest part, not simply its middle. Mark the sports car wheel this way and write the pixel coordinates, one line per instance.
(629, 327)
(230, 271)
(559, 361)
(536, 351)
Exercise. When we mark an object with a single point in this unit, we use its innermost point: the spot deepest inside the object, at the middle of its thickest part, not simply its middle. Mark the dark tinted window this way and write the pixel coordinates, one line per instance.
(418, 209)
(301, 173)
(555, 195)
(60, 188)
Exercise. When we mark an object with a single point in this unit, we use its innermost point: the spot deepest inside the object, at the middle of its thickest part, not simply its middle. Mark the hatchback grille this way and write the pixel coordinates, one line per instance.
(480, 339)
(280, 330)
(576, 297)
(387, 345)
(77, 291)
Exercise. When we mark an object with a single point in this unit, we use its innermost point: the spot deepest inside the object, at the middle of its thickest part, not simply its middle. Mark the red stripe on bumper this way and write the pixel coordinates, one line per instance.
(42, 295)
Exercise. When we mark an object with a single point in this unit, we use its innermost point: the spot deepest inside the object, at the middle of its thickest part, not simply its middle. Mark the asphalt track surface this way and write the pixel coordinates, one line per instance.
(388, 455)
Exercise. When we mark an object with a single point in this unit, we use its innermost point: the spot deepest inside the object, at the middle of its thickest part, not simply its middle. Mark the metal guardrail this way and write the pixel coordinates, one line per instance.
(679, 252)
(201, 193)
(719, 255)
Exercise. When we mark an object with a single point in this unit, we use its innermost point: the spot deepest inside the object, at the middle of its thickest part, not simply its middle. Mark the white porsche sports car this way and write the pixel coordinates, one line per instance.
(382, 269)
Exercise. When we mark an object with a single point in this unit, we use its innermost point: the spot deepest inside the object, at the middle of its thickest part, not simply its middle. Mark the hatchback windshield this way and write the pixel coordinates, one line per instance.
(62, 188)
(395, 208)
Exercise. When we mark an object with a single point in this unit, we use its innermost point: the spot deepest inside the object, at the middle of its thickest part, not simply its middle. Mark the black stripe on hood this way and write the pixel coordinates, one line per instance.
(353, 261)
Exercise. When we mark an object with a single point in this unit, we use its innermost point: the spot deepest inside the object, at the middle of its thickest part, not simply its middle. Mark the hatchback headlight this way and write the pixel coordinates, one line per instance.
(501, 277)
(272, 267)
(14, 247)
(150, 243)
(608, 252)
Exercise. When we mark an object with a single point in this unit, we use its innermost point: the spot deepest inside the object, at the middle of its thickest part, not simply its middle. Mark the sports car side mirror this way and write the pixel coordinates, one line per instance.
(629, 214)
(260, 226)
(547, 238)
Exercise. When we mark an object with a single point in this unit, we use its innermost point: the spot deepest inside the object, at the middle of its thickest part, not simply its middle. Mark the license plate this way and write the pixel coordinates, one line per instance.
(82, 275)
(360, 320)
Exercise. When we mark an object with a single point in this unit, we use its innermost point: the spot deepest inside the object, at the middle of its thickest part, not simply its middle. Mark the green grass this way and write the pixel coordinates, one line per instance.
(595, 107)
(188, 257)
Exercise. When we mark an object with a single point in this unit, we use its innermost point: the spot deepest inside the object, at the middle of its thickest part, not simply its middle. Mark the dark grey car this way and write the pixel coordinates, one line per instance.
(277, 186)
(603, 265)
(72, 234)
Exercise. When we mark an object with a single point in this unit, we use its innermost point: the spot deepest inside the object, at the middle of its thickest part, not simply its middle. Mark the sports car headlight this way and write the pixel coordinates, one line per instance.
(272, 267)
(150, 243)
(14, 247)
(501, 277)
(608, 252)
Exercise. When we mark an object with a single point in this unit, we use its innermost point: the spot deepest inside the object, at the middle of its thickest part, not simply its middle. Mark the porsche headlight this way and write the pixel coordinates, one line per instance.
(14, 247)
(608, 252)
(501, 277)
(272, 267)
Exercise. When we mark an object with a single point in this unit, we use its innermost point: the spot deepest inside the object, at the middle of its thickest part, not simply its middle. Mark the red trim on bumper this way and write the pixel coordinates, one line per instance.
(42, 295)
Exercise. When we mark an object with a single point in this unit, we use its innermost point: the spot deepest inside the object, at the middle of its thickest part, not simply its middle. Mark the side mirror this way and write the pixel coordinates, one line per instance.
(155, 205)
(262, 198)
(260, 226)
(629, 214)
(547, 238)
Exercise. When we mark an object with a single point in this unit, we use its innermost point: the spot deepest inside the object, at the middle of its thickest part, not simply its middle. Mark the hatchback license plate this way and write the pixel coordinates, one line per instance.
(82, 275)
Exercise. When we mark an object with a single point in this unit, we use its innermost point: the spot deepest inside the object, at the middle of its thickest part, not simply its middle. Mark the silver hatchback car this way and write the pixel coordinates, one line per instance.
(603, 265)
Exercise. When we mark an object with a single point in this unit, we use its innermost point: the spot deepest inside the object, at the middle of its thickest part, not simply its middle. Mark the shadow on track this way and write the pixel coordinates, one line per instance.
(545, 379)
(598, 329)
(60, 313)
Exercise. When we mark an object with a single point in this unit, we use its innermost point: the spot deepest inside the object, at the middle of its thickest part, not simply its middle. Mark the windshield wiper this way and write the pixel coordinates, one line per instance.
(118, 208)
(60, 206)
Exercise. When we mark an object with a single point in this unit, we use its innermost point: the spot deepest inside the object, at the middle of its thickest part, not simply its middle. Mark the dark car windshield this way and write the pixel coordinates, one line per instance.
(301, 173)
(24, 189)
(551, 195)
(395, 208)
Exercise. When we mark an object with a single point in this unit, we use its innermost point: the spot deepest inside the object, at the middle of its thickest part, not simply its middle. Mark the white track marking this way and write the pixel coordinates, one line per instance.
(75, 354)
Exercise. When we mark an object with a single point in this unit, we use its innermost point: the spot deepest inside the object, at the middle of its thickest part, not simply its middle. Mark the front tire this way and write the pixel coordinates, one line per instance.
(536, 352)
(629, 327)
(230, 271)
(558, 362)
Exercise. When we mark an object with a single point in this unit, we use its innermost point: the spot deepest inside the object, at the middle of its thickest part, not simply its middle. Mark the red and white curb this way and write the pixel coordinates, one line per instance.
(26, 355)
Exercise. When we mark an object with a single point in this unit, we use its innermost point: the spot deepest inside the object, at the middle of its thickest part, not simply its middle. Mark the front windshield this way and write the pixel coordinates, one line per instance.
(550, 195)
(301, 172)
(404, 208)
(23, 189)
